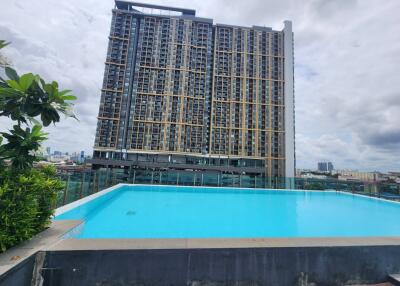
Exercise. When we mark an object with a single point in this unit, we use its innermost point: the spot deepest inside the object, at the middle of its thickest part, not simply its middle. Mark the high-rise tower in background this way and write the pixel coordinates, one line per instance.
(182, 93)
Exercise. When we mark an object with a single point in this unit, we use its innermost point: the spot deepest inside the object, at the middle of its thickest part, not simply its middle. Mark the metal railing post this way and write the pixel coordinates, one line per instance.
(107, 173)
(66, 190)
(94, 182)
(82, 185)
(113, 179)
(98, 183)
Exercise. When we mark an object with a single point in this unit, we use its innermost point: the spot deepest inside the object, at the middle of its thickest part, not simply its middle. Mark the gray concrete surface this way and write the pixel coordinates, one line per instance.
(185, 243)
(42, 241)
(201, 262)
(283, 266)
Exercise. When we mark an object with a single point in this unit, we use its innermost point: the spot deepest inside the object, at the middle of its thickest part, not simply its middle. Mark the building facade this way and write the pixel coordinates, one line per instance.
(349, 175)
(325, 166)
(181, 92)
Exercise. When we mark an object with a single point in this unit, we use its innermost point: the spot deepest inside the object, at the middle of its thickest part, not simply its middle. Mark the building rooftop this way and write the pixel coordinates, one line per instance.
(154, 9)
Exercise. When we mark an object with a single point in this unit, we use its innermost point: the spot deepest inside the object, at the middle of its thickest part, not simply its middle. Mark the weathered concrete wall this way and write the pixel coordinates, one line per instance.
(200, 267)
(20, 275)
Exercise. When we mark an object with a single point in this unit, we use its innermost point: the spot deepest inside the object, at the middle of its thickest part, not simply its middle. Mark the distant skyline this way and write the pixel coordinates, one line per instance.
(346, 68)
(52, 150)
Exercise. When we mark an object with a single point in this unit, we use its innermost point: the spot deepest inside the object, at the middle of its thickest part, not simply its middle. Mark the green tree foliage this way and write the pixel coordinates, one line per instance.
(27, 194)
(26, 203)
(28, 96)
(21, 143)
(25, 99)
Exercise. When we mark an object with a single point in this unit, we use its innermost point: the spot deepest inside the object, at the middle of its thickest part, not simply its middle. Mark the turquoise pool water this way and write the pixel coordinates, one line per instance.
(187, 212)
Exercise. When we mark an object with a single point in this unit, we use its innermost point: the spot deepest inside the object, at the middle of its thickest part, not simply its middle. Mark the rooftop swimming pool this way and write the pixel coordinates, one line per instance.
(144, 211)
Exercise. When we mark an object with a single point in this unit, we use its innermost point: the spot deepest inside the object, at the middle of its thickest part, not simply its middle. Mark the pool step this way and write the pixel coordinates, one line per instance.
(394, 279)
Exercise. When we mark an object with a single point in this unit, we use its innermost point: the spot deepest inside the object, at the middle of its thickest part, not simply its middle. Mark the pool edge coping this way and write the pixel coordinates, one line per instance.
(73, 244)
(77, 203)
(42, 241)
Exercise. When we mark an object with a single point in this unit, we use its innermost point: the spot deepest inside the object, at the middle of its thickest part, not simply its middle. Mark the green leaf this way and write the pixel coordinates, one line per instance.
(36, 130)
(64, 92)
(49, 89)
(11, 73)
(14, 84)
(26, 80)
(45, 119)
(3, 44)
(18, 130)
(69, 97)
(9, 92)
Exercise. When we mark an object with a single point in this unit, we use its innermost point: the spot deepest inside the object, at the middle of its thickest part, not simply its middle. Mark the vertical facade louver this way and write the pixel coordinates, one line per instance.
(178, 89)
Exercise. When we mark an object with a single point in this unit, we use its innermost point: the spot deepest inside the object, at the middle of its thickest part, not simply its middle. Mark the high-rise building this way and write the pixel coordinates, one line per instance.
(181, 92)
(330, 167)
(82, 157)
(325, 166)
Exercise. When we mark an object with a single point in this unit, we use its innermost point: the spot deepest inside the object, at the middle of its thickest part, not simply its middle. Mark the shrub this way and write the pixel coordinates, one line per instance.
(27, 203)
(27, 195)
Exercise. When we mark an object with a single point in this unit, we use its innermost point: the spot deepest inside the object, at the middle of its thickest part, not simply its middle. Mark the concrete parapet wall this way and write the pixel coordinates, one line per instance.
(281, 266)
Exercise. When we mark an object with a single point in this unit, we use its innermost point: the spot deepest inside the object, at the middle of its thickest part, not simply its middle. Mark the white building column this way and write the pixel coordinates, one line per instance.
(289, 106)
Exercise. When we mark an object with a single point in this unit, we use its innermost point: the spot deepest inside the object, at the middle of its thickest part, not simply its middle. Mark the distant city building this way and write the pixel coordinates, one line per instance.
(180, 92)
(312, 176)
(58, 158)
(82, 157)
(325, 166)
(394, 176)
(75, 157)
(349, 175)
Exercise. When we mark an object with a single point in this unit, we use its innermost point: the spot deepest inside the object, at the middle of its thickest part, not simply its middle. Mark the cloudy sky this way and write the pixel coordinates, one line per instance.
(347, 68)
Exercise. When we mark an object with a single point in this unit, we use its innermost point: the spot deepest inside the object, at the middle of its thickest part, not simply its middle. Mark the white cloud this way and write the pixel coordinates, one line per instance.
(346, 54)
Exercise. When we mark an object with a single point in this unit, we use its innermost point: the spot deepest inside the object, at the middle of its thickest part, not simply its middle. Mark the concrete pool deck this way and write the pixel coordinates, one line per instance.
(52, 240)
(378, 253)
(40, 242)
(201, 243)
